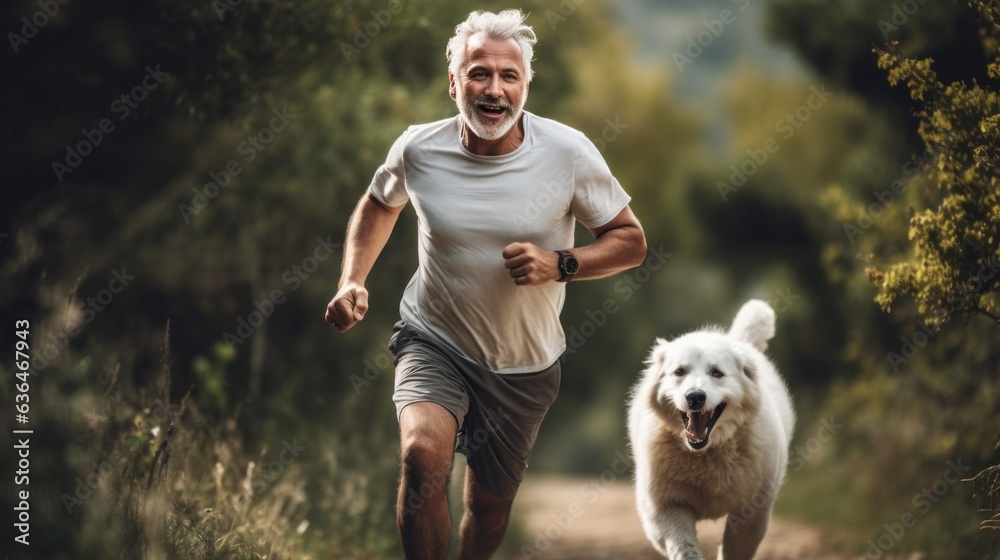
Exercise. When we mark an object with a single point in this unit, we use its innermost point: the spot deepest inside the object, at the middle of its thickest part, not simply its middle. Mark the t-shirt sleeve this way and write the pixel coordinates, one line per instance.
(389, 183)
(597, 196)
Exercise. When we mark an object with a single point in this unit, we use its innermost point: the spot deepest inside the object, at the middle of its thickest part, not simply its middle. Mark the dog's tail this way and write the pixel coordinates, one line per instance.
(754, 324)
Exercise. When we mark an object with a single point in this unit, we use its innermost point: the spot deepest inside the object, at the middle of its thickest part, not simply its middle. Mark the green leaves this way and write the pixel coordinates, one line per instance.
(952, 268)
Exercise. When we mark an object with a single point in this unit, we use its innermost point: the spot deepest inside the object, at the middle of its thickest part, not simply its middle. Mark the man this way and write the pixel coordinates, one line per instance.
(497, 191)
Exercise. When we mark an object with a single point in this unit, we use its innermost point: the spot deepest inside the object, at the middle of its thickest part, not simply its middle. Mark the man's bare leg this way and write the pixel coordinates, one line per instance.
(484, 523)
(427, 448)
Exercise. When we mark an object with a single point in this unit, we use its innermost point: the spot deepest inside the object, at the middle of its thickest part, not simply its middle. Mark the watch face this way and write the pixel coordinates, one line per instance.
(570, 264)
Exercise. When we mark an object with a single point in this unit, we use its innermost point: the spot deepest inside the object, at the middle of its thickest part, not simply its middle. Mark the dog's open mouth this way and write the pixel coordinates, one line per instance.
(698, 425)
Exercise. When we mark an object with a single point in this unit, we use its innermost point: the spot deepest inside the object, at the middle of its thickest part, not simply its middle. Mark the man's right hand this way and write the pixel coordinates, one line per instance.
(347, 307)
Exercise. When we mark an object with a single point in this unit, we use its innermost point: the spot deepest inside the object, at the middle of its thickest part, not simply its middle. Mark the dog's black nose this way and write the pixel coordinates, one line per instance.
(696, 399)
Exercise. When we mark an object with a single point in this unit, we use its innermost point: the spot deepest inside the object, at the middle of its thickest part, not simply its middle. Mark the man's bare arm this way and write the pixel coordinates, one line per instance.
(367, 233)
(618, 245)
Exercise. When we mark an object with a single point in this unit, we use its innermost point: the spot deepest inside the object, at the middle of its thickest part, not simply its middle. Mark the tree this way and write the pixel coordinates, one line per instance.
(913, 395)
(955, 260)
(952, 269)
(834, 39)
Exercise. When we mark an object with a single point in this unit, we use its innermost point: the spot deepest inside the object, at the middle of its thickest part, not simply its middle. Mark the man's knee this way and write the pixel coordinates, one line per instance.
(489, 512)
(425, 454)
(426, 462)
(427, 439)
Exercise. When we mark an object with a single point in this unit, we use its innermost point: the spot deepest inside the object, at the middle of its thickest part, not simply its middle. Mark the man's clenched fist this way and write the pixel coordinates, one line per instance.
(347, 307)
(529, 265)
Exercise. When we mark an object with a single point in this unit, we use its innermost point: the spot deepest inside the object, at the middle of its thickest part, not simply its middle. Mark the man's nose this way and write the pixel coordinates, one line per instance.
(493, 88)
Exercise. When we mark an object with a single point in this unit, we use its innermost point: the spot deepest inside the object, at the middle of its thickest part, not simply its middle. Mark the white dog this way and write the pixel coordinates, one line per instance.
(710, 421)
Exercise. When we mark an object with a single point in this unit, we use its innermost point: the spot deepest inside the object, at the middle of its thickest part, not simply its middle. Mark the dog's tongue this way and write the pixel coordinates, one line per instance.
(697, 428)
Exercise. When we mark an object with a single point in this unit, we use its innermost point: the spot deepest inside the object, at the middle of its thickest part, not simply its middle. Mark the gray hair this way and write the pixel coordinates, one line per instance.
(508, 24)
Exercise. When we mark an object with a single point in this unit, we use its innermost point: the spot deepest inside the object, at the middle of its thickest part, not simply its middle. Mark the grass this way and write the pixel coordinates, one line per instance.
(158, 479)
(179, 485)
(827, 492)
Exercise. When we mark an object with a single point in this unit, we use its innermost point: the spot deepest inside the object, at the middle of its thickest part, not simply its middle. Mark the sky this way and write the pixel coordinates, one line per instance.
(699, 43)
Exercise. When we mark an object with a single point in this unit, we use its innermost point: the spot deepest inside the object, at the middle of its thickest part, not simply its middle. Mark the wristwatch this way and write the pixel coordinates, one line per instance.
(568, 266)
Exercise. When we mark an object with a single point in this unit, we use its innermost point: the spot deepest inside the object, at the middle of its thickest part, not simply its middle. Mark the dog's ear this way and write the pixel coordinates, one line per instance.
(745, 363)
(658, 355)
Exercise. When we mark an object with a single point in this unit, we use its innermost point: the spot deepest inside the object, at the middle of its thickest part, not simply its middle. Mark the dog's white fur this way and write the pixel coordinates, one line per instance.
(741, 467)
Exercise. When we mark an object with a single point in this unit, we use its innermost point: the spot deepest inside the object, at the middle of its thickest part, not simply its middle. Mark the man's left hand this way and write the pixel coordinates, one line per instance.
(529, 265)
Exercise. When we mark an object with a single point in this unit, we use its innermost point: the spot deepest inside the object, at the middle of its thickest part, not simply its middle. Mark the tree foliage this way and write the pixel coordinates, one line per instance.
(954, 267)
(834, 38)
(912, 392)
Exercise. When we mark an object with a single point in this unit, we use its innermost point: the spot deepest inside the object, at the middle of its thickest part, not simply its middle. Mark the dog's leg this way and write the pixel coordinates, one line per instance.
(673, 534)
(743, 535)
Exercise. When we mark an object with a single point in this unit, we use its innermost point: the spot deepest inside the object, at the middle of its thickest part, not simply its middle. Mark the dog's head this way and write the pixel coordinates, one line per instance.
(705, 386)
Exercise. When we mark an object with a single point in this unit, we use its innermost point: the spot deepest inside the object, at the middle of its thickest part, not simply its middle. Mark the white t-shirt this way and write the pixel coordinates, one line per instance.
(469, 207)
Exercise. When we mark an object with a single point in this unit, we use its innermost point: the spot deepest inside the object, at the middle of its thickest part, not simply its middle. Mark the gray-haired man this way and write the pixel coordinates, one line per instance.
(497, 192)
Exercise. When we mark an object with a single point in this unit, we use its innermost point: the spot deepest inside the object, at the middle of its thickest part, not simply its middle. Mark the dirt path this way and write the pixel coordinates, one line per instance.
(581, 519)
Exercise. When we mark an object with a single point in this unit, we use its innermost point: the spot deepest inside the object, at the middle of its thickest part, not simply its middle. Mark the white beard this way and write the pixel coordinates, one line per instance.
(486, 130)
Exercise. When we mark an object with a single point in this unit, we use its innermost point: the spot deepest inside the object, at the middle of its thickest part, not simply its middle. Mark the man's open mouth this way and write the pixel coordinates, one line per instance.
(491, 108)
(698, 425)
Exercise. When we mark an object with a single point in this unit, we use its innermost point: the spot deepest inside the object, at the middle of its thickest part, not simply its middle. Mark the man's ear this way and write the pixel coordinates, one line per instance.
(451, 86)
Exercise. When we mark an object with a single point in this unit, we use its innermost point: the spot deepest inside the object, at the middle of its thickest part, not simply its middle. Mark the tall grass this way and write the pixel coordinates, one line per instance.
(987, 485)
(172, 484)
(127, 472)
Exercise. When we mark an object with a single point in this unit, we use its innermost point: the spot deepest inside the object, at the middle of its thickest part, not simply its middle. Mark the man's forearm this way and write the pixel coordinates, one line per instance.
(367, 233)
(613, 251)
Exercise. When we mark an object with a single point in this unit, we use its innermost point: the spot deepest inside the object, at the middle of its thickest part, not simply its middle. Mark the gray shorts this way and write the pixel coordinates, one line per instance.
(498, 415)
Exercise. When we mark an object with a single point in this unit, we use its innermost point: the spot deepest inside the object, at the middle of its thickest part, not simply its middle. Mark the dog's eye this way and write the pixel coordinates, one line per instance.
(679, 372)
(717, 373)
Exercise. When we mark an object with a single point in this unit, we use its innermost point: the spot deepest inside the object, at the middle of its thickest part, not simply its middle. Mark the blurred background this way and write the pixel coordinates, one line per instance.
(177, 180)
